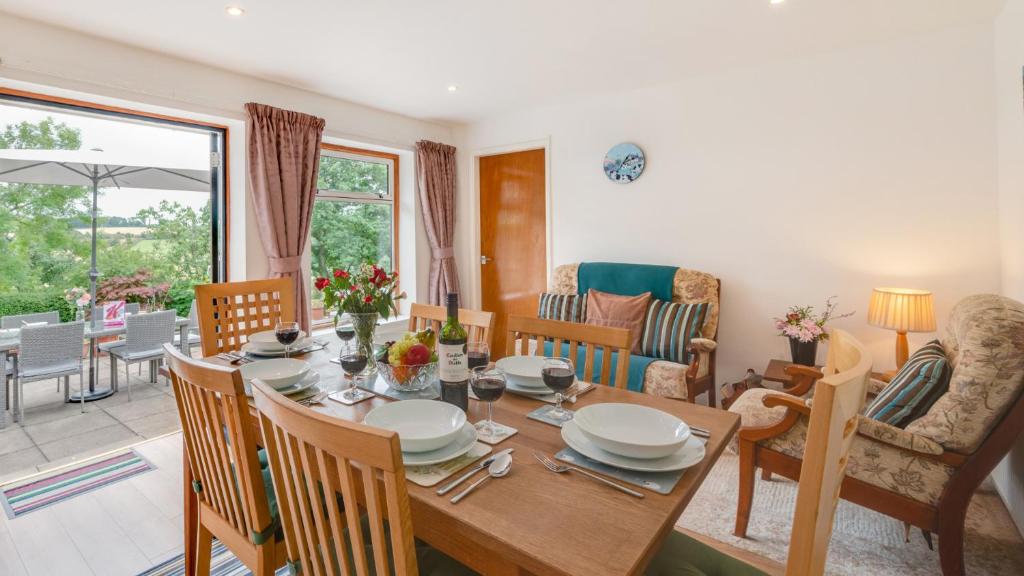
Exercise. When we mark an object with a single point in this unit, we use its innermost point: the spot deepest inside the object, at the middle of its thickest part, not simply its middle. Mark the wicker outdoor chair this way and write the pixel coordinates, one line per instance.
(45, 352)
(145, 335)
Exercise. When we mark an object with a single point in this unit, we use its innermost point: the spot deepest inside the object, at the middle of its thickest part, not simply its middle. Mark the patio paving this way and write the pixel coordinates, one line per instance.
(53, 433)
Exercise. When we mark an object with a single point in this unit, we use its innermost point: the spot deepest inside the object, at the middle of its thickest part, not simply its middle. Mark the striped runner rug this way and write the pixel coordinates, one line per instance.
(224, 563)
(31, 494)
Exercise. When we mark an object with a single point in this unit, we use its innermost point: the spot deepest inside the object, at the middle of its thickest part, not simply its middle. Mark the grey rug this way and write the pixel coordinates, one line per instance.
(863, 541)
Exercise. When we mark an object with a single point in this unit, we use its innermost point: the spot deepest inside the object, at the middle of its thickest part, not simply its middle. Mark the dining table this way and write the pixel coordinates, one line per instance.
(532, 521)
(94, 331)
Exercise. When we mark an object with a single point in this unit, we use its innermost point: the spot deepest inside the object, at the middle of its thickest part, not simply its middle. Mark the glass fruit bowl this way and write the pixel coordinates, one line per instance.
(408, 377)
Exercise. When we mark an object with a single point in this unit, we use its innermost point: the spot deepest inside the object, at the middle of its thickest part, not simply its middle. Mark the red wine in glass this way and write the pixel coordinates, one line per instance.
(558, 379)
(345, 333)
(476, 359)
(354, 363)
(488, 388)
(287, 333)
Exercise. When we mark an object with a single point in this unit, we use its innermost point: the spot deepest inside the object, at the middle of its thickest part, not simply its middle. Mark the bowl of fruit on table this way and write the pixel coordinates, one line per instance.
(409, 364)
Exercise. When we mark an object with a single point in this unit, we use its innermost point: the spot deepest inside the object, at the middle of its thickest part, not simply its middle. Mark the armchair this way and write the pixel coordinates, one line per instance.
(925, 474)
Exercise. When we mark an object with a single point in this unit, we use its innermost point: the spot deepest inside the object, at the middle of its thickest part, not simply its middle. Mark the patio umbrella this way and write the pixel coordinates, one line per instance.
(96, 169)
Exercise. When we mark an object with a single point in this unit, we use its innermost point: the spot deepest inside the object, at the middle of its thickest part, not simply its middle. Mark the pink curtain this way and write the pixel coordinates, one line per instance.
(284, 158)
(435, 172)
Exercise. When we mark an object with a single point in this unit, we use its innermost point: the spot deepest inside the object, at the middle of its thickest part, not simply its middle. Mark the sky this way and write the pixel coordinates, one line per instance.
(151, 144)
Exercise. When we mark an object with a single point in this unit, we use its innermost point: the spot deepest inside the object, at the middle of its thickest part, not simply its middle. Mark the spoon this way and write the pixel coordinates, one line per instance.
(500, 467)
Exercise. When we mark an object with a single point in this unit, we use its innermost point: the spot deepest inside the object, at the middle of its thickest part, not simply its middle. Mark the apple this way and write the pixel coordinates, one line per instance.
(417, 354)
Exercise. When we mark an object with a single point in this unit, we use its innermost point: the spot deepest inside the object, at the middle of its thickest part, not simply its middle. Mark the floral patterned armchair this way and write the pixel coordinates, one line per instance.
(671, 379)
(925, 474)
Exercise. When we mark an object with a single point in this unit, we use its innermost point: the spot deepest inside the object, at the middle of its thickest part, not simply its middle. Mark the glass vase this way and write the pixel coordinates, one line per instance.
(365, 326)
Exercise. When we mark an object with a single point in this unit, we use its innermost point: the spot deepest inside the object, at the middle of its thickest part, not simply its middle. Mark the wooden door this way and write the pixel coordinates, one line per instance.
(513, 243)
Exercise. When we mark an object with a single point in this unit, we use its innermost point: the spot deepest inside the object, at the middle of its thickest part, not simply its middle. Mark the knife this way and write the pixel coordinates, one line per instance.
(483, 464)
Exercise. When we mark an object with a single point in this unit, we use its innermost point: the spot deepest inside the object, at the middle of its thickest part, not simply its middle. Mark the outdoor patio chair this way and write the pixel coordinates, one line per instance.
(51, 351)
(193, 330)
(20, 320)
(129, 308)
(145, 335)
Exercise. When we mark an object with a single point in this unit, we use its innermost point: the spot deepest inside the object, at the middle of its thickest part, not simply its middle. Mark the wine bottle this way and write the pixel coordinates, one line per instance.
(451, 355)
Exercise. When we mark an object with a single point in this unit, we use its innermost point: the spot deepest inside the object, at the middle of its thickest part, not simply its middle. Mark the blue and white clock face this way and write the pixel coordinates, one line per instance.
(624, 163)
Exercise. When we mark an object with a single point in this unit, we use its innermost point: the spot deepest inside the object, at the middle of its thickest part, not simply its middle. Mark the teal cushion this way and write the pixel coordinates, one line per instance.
(564, 307)
(635, 374)
(909, 395)
(681, 555)
(626, 279)
(668, 328)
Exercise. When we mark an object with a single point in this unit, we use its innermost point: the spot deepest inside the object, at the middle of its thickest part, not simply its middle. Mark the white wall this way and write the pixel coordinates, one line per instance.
(43, 58)
(1009, 58)
(791, 182)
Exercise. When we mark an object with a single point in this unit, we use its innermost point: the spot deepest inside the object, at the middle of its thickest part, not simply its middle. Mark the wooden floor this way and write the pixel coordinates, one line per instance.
(121, 529)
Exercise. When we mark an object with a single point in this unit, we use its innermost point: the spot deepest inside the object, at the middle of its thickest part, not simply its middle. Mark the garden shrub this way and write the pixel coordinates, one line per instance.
(31, 302)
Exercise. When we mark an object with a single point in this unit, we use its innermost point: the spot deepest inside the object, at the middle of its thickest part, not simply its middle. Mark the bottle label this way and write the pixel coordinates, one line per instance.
(451, 359)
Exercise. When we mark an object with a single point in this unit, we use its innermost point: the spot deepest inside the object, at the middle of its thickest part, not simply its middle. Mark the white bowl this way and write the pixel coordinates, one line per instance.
(267, 340)
(632, 430)
(526, 369)
(278, 373)
(422, 425)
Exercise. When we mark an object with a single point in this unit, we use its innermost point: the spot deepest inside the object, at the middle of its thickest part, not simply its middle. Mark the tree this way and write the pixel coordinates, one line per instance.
(180, 242)
(39, 245)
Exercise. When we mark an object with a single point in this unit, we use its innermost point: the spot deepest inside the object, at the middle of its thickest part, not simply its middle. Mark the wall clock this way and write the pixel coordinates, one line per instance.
(624, 163)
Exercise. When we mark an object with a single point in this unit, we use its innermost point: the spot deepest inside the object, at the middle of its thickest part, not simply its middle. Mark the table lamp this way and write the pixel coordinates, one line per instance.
(903, 310)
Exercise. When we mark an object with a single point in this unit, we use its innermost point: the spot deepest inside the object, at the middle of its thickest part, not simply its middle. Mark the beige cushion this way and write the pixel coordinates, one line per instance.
(985, 345)
(688, 287)
(615, 311)
(877, 463)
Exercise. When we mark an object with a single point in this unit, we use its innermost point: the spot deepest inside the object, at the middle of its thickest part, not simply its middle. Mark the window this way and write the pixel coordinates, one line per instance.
(355, 216)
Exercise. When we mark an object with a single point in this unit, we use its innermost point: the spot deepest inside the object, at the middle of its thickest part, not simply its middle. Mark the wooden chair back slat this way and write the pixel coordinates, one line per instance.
(312, 459)
(838, 399)
(478, 324)
(229, 312)
(527, 331)
(221, 443)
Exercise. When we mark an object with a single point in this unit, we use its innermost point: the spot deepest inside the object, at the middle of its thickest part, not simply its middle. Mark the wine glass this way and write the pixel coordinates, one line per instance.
(353, 361)
(477, 354)
(287, 333)
(559, 375)
(346, 331)
(488, 385)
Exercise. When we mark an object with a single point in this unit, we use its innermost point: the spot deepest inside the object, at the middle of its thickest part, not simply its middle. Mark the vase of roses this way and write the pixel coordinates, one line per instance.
(805, 329)
(367, 294)
(79, 298)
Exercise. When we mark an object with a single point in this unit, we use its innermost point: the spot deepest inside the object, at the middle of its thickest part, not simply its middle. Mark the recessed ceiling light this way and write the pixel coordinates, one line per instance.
(235, 11)
(452, 88)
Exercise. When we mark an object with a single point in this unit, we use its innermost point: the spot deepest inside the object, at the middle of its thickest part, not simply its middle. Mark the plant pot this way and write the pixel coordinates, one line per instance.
(804, 353)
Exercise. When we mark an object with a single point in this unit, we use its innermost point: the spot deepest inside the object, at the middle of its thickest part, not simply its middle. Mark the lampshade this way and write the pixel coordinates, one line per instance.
(902, 309)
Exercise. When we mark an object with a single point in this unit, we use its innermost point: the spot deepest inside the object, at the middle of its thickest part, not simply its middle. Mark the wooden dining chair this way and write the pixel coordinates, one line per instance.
(832, 424)
(477, 323)
(236, 499)
(527, 336)
(311, 456)
(229, 312)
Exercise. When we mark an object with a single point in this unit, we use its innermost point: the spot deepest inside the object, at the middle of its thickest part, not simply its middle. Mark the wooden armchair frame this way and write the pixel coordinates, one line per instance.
(524, 329)
(946, 518)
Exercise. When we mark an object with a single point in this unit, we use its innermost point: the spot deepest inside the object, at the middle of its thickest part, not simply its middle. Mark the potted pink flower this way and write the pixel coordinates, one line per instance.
(805, 329)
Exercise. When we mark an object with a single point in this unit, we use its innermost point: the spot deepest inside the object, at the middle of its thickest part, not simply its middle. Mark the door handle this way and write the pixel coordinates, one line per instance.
(485, 259)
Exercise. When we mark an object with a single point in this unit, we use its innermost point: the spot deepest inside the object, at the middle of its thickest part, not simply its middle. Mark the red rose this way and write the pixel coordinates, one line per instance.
(321, 283)
(354, 288)
(368, 299)
(339, 273)
(343, 274)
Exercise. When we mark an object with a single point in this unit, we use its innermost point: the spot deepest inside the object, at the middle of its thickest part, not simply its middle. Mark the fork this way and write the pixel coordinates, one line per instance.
(317, 399)
(562, 468)
(234, 358)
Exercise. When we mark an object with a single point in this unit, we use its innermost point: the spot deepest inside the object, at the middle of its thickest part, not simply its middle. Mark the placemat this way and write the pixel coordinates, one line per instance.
(660, 482)
(427, 476)
(504, 433)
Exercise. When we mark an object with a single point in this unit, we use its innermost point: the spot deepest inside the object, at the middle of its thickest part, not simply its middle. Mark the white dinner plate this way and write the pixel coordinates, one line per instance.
(527, 382)
(514, 387)
(632, 430)
(267, 340)
(312, 378)
(463, 443)
(523, 368)
(301, 343)
(689, 455)
(279, 373)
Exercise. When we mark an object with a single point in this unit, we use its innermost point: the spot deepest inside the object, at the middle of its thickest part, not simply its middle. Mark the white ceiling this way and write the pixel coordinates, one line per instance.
(400, 55)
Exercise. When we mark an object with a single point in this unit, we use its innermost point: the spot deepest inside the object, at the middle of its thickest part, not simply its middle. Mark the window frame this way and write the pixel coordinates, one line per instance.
(377, 157)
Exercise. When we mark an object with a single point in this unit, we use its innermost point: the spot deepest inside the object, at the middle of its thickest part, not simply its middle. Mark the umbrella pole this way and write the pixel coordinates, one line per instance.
(93, 273)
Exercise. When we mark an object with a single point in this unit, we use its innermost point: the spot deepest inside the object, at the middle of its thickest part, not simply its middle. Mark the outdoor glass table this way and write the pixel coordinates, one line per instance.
(93, 332)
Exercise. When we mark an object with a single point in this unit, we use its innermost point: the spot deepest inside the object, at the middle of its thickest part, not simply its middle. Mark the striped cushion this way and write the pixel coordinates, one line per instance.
(668, 328)
(564, 307)
(909, 395)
